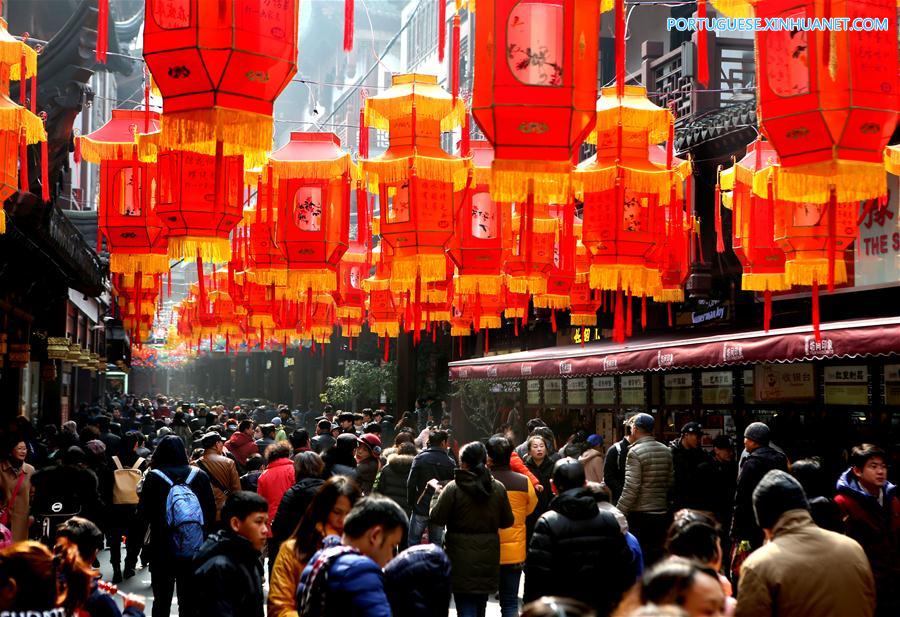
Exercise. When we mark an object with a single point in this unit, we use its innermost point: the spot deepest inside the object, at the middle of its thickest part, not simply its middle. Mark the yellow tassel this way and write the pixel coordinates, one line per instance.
(318, 279)
(432, 102)
(668, 295)
(376, 227)
(428, 267)
(639, 280)
(481, 176)
(316, 170)
(268, 276)
(892, 159)
(375, 284)
(147, 282)
(490, 321)
(212, 250)
(534, 284)
(11, 52)
(551, 301)
(132, 263)
(349, 312)
(853, 181)
(241, 133)
(147, 146)
(97, 151)
(513, 313)
(350, 330)
(550, 181)
(485, 284)
(636, 113)
(758, 281)
(391, 171)
(14, 119)
(261, 320)
(147, 308)
(733, 8)
(805, 271)
(2, 221)
(583, 319)
(599, 179)
(460, 330)
(390, 329)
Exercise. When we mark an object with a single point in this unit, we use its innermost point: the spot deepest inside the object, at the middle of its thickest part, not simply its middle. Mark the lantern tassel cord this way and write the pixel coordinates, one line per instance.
(767, 309)
(102, 30)
(442, 29)
(618, 318)
(717, 205)
(348, 25)
(815, 311)
(702, 48)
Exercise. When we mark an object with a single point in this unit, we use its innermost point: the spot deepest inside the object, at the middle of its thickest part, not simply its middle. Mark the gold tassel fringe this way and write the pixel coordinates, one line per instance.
(350, 330)
(261, 320)
(375, 284)
(431, 101)
(514, 312)
(600, 179)
(758, 281)
(583, 319)
(349, 312)
(853, 181)
(427, 266)
(212, 250)
(268, 276)
(675, 294)
(639, 280)
(14, 119)
(147, 146)
(319, 279)
(316, 170)
(460, 330)
(489, 321)
(734, 8)
(390, 329)
(2, 221)
(97, 151)
(391, 171)
(486, 284)
(132, 263)
(551, 301)
(241, 133)
(534, 284)
(550, 181)
(11, 52)
(636, 113)
(806, 271)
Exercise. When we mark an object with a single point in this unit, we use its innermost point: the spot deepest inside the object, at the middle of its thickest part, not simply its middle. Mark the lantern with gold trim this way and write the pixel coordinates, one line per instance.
(416, 180)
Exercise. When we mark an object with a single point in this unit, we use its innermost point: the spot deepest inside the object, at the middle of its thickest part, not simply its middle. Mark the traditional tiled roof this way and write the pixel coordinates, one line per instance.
(728, 128)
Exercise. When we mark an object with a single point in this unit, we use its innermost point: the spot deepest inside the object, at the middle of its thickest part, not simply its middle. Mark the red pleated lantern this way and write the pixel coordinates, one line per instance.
(127, 215)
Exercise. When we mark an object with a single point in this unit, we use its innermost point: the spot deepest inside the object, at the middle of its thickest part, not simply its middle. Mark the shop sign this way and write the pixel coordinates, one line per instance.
(679, 380)
(877, 254)
(846, 385)
(633, 390)
(717, 387)
(553, 392)
(749, 390)
(846, 374)
(892, 384)
(533, 392)
(576, 391)
(716, 379)
(603, 390)
(784, 382)
(590, 334)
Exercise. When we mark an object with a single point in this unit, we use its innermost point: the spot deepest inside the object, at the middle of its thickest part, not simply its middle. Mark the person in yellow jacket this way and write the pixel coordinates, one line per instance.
(513, 546)
(324, 518)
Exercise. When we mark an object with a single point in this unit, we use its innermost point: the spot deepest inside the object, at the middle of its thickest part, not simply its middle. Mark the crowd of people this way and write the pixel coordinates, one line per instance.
(254, 510)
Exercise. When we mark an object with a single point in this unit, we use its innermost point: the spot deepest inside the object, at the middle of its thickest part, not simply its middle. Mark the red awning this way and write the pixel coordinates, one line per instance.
(843, 339)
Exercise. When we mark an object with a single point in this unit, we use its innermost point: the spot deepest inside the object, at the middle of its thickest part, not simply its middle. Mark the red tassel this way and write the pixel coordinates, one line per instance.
(465, 142)
(815, 311)
(433, 333)
(77, 156)
(717, 205)
(23, 164)
(629, 317)
(348, 25)
(33, 94)
(525, 310)
(516, 327)
(350, 344)
(620, 48)
(169, 284)
(702, 48)
(643, 312)
(553, 320)
(459, 340)
(200, 279)
(100, 241)
(363, 133)
(618, 317)
(227, 343)
(582, 336)
(454, 57)
(669, 311)
(442, 29)
(22, 73)
(146, 102)
(387, 348)
(767, 309)
(487, 345)
(102, 30)
(832, 236)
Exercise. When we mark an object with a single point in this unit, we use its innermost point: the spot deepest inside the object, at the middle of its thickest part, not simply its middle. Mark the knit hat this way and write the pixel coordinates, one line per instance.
(775, 494)
(758, 432)
(276, 421)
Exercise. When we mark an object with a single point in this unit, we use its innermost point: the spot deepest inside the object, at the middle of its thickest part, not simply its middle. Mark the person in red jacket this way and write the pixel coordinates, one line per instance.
(241, 444)
(277, 478)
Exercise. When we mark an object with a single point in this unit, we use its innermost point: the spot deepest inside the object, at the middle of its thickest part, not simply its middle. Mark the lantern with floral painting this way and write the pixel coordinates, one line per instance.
(534, 92)
(127, 210)
(19, 127)
(312, 228)
(219, 67)
(478, 243)
(416, 180)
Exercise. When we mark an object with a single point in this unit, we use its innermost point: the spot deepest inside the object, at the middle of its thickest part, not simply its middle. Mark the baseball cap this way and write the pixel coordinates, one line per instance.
(210, 439)
(693, 428)
(643, 421)
(595, 440)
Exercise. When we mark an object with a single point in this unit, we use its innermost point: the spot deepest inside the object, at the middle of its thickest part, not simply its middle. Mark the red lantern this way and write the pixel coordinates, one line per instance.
(220, 66)
(127, 210)
(313, 197)
(562, 274)
(535, 90)
(415, 178)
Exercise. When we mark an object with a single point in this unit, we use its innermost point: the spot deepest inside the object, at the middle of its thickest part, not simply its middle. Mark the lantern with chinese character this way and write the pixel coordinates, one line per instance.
(562, 274)
(19, 127)
(415, 178)
(534, 93)
(127, 216)
(312, 227)
(219, 67)
(671, 254)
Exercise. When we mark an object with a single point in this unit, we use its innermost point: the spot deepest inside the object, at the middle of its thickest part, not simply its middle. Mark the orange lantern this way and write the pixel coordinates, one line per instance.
(313, 223)
(127, 217)
(219, 67)
(562, 273)
(415, 179)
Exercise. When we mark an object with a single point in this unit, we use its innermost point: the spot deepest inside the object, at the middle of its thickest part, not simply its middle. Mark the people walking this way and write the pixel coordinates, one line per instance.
(760, 460)
(431, 468)
(592, 458)
(277, 478)
(614, 465)
(688, 460)
(222, 471)
(15, 488)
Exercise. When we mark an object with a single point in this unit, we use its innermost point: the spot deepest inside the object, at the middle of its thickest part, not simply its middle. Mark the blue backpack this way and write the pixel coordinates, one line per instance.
(184, 515)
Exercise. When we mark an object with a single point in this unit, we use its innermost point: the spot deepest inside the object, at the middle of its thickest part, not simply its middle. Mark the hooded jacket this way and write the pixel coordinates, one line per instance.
(757, 464)
(523, 500)
(592, 461)
(417, 582)
(273, 484)
(241, 447)
(293, 506)
(391, 482)
(473, 507)
(228, 577)
(805, 570)
(877, 528)
(578, 551)
(355, 586)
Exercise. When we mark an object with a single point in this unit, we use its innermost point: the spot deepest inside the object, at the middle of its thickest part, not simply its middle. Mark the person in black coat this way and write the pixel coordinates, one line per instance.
(308, 469)
(417, 582)
(65, 490)
(760, 460)
(394, 476)
(811, 476)
(340, 460)
(228, 577)
(577, 550)
(432, 463)
(614, 465)
(165, 569)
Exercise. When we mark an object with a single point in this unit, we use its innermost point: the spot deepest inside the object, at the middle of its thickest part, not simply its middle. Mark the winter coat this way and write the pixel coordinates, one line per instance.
(355, 587)
(518, 465)
(339, 463)
(228, 577)
(152, 507)
(250, 480)
(614, 468)
(806, 570)
(429, 464)
(523, 500)
(186, 435)
(274, 483)
(757, 464)
(241, 447)
(719, 479)
(688, 490)
(293, 506)
(283, 582)
(543, 473)
(322, 443)
(75, 487)
(578, 551)
(18, 516)
(262, 444)
(592, 461)
(391, 481)
(648, 477)
(473, 507)
(223, 476)
(417, 582)
(366, 472)
(877, 528)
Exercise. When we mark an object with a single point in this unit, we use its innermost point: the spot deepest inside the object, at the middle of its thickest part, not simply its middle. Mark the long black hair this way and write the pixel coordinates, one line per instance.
(309, 534)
